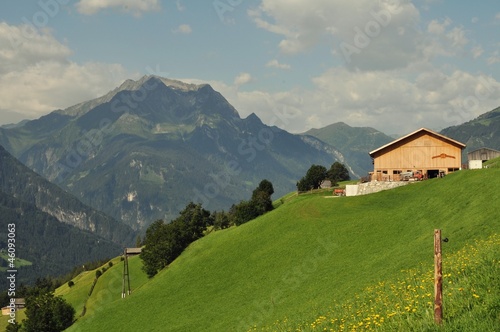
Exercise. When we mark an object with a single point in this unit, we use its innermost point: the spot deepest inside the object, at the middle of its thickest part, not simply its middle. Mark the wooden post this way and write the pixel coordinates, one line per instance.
(125, 271)
(438, 278)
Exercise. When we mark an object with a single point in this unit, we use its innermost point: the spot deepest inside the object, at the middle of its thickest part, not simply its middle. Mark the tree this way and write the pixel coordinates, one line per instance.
(338, 172)
(243, 212)
(313, 178)
(48, 313)
(196, 220)
(221, 220)
(165, 242)
(154, 251)
(138, 241)
(265, 186)
(261, 197)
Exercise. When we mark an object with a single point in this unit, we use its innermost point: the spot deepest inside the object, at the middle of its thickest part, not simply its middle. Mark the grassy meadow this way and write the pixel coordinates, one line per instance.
(107, 289)
(323, 263)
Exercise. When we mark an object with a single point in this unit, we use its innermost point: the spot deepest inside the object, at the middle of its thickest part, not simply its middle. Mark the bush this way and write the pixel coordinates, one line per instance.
(110, 264)
(71, 283)
(98, 273)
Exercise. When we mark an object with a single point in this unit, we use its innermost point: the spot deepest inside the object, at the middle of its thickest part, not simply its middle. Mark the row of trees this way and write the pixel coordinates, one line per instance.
(316, 174)
(164, 242)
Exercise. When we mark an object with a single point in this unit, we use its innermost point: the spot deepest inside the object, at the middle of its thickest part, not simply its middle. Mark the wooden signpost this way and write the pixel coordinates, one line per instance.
(438, 278)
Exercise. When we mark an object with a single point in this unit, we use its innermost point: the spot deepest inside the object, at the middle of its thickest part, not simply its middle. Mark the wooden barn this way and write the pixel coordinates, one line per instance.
(423, 152)
(483, 154)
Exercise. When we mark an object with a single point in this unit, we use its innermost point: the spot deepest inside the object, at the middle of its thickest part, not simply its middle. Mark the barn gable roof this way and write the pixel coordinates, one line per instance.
(452, 141)
(483, 149)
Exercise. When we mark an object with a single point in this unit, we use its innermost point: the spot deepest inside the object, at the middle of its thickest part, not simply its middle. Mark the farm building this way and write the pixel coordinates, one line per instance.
(477, 157)
(422, 152)
(483, 154)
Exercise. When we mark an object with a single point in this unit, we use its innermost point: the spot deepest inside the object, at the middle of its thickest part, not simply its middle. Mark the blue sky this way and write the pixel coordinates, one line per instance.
(394, 65)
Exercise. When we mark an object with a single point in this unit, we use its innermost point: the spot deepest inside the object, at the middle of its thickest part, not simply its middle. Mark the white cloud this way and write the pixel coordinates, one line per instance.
(477, 51)
(443, 39)
(365, 34)
(395, 102)
(275, 64)
(38, 68)
(183, 29)
(494, 58)
(180, 6)
(135, 7)
(242, 78)
(22, 46)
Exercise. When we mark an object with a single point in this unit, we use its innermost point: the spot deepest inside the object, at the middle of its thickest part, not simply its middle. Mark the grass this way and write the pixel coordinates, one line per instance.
(493, 163)
(18, 261)
(107, 290)
(307, 256)
(471, 293)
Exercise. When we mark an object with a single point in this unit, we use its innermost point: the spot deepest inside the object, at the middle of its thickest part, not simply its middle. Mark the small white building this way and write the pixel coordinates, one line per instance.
(475, 164)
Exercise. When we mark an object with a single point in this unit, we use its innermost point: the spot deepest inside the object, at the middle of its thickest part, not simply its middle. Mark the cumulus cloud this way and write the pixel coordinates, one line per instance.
(275, 64)
(395, 102)
(22, 46)
(38, 68)
(444, 39)
(242, 78)
(365, 34)
(183, 29)
(90, 7)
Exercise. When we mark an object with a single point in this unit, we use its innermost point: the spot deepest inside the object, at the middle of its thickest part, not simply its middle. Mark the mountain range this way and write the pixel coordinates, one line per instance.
(147, 148)
(54, 231)
(483, 131)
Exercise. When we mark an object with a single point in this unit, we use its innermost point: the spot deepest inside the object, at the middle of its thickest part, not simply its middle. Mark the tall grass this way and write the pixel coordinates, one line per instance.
(471, 298)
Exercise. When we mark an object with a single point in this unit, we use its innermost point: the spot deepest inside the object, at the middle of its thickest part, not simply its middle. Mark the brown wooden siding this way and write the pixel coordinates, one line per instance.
(483, 154)
(420, 152)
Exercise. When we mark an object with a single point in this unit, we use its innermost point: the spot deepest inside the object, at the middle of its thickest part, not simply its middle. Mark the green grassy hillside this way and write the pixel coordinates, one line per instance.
(493, 163)
(107, 289)
(299, 261)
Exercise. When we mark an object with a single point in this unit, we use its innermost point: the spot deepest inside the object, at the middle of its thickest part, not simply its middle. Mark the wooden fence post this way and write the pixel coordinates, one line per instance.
(438, 278)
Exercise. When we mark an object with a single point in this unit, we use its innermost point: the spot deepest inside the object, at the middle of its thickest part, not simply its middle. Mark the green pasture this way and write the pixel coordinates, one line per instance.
(297, 261)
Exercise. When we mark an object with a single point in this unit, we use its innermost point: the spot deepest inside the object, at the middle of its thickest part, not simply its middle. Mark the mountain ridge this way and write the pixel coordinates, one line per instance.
(148, 149)
(22, 183)
(482, 131)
